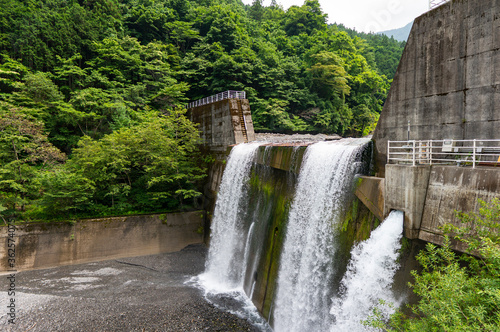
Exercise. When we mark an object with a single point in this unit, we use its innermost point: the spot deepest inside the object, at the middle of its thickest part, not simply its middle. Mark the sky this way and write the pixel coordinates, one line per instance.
(366, 15)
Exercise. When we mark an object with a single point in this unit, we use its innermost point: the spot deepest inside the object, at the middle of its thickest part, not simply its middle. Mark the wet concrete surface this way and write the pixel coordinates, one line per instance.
(132, 294)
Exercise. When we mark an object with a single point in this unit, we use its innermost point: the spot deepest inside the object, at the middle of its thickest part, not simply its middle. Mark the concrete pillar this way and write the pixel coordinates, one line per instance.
(406, 190)
(370, 191)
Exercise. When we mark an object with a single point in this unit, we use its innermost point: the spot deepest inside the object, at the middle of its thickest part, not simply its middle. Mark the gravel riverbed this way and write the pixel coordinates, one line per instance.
(130, 294)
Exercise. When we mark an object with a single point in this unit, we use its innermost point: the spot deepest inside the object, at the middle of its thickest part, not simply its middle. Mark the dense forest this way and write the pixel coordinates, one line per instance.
(92, 92)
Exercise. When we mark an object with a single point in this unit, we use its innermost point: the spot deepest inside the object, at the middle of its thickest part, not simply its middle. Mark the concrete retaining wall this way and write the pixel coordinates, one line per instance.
(455, 189)
(430, 196)
(371, 192)
(406, 190)
(448, 81)
(221, 125)
(54, 244)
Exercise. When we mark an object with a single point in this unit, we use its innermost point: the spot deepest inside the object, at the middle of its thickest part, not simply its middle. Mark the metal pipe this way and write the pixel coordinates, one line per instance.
(474, 154)
(413, 152)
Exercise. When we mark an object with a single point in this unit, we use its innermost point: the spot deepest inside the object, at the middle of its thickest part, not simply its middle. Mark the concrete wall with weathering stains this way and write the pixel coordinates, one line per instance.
(448, 80)
(224, 123)
(47, 245)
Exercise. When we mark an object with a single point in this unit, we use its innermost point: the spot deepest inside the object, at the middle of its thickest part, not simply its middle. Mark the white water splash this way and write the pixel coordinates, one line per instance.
(369, 276)
(304, 295)
(228, 254)
(248, 244)
(224, 268)
(306, 269)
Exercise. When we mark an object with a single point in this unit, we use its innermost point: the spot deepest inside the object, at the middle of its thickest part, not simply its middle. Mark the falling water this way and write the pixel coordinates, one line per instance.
(248, 244)
(369, 276)
(306, 269)
(306, 298)
(224, 268)
(228, 255)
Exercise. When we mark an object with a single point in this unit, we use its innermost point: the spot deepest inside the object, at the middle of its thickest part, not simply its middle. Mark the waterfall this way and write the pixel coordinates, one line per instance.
(224, 269)
(307, 291)
(306, 268)
(369, 276)
(231, 236)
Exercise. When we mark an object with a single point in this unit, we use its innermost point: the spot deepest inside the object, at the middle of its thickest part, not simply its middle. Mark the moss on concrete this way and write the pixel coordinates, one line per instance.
(286, 158)
(357, 225)
(271, 192)
(272, 185)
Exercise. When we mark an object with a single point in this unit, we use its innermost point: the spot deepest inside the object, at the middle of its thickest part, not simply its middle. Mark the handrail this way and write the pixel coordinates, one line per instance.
(229, 94)
(462, 152)
(436, 3)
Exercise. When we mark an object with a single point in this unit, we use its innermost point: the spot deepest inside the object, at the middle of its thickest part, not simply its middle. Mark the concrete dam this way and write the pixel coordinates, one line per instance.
(304, 234)
(284, 223)
(280, 240)
(445, 93)
(295, 225)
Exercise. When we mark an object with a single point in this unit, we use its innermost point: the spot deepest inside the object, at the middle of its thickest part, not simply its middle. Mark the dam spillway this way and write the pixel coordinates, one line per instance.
(279, 238)
(369, 276)
(224, 267)
(306, 266)
(446, 87)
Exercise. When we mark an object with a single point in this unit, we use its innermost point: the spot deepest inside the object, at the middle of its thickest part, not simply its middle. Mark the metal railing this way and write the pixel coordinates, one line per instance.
(230, 94)
(436, 3)
(485, 152)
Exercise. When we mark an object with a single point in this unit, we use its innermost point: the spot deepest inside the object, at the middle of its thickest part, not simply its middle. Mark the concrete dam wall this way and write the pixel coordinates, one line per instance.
(430, 195)
(224, 123)
(447, 84)
(290, 209)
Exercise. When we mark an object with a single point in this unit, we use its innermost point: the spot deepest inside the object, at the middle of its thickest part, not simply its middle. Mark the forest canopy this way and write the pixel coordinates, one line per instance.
(82, 82)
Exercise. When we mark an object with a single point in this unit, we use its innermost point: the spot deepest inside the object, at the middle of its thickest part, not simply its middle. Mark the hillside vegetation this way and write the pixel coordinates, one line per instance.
(91, 93)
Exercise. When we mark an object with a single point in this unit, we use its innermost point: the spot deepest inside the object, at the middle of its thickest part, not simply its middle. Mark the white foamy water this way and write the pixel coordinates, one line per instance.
(224, 267)
(306, 298)
(369, 276)
(306, 265)
(228, 254)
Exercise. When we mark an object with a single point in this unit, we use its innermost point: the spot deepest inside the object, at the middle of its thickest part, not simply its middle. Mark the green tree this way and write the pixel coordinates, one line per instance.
(182, 34)
(305, 19)
(24, 149)
(40, 88)
(40, 98)
(328, 75)
(146, 19)
(364, 120)
(69, 74)
(146, 166)
(37, 31)
(257, 10)
(64, 191)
